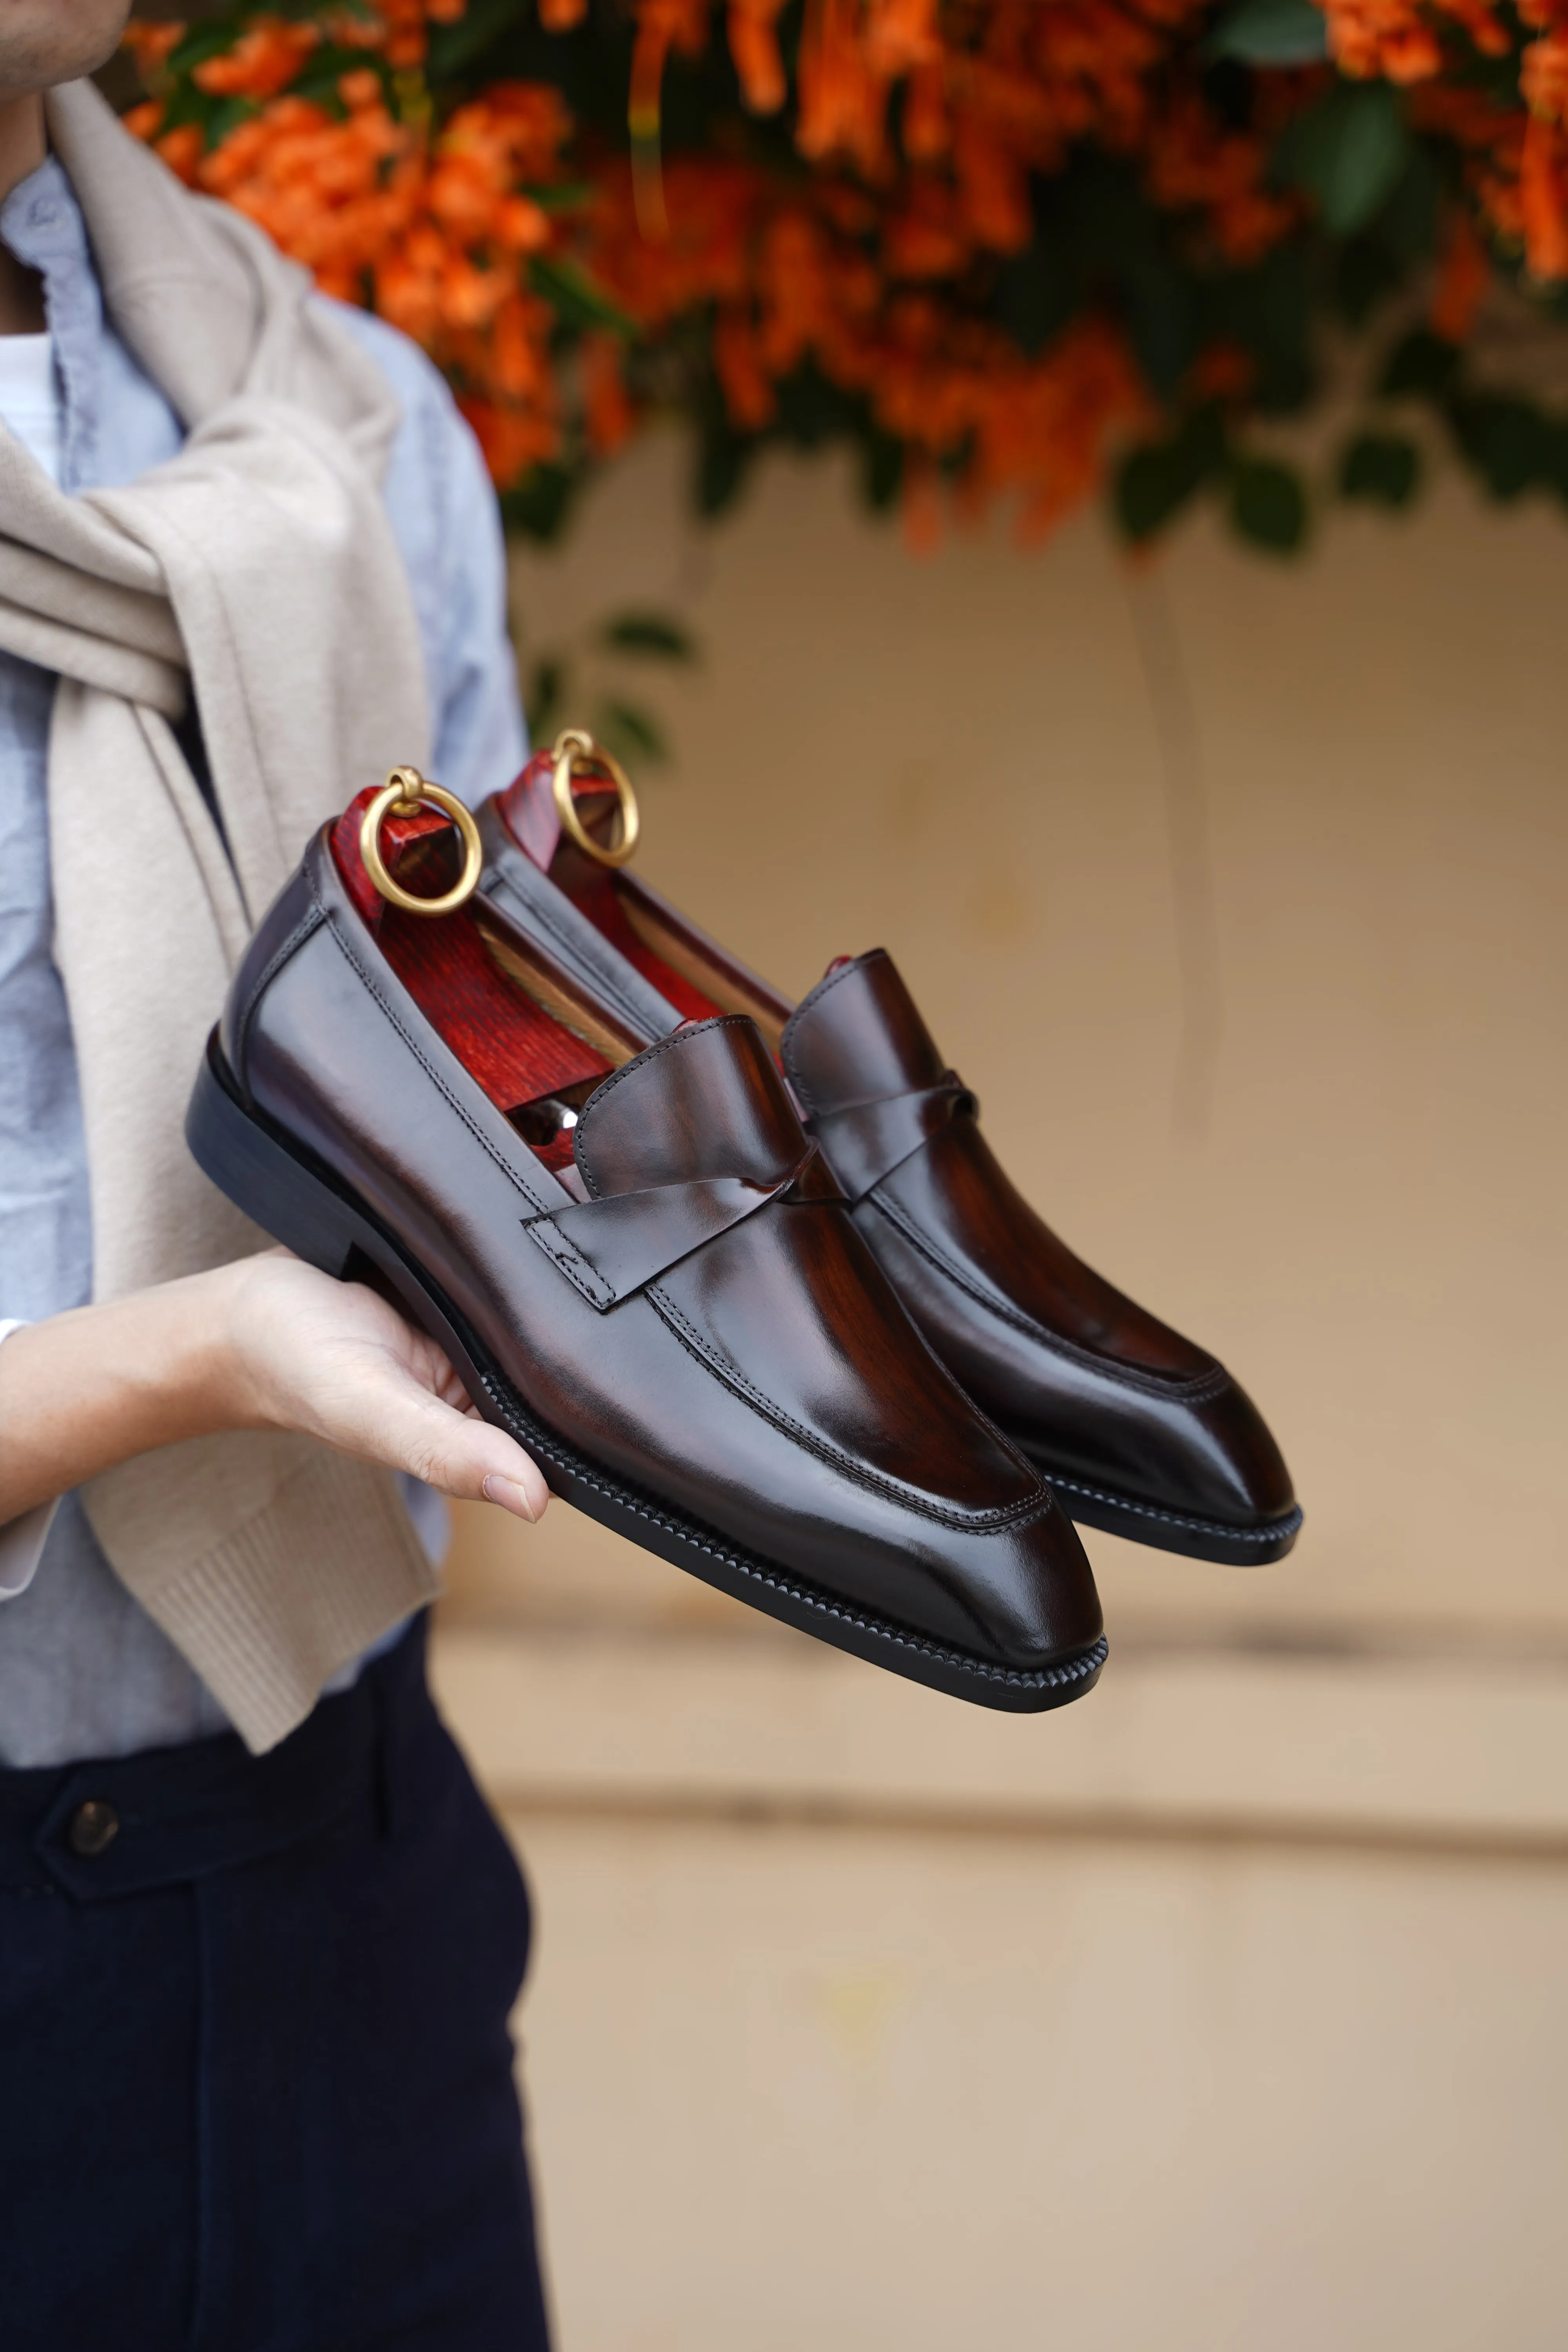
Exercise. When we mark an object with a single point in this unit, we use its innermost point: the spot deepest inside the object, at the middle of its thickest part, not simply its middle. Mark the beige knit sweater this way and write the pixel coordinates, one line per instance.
(258, 567)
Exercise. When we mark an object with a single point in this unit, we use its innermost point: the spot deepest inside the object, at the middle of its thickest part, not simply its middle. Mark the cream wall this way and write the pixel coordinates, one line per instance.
(1224, 2008)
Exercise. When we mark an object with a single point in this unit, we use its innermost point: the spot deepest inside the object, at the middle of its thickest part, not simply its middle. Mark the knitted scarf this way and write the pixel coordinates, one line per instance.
(258, 571)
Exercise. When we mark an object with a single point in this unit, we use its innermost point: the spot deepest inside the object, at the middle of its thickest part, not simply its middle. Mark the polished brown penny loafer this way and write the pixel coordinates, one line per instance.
(639, 1263)
(1137, 1429)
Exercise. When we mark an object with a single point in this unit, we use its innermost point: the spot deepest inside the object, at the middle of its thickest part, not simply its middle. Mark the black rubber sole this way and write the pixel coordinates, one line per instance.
(1146, 1523)
(306, 1209)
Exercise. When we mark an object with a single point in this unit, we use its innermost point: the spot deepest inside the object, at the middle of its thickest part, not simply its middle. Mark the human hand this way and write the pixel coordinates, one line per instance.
(265, 1343)
(334, 1360)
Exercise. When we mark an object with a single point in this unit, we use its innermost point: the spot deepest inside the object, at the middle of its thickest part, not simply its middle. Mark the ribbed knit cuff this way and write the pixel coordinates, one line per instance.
(274, 1609)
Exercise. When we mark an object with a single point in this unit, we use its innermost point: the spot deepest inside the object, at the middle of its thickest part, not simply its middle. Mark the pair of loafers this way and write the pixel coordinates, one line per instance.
(743, 1275)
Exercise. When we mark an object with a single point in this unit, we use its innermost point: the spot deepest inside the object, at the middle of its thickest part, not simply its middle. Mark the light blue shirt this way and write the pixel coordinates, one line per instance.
(83, 1669)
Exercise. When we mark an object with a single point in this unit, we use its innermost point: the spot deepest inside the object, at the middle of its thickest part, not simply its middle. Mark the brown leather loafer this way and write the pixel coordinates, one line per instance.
(640, 1264)
(1138, 1430)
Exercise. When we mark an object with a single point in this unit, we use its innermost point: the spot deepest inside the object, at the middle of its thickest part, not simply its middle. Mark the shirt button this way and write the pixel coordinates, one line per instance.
(92, 1829)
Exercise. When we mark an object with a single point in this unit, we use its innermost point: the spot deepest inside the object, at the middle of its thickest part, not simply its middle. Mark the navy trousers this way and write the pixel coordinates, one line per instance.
(255, 2078)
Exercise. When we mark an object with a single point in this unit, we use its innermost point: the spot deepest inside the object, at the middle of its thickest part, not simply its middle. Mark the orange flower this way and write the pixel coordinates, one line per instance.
(749, 396)
(1194, 165)
(928, 239)
(754, 47)
(1543, 76)
(1543, 199)
(1386, 37)
(607, 414)
(900, 36)
(359, 89)
(928, 131)
(842, 100)
(993, 187)
(182, 150)
(1462, 279)
(870, 261)
(263, 61)
(151, 45)
(920, 507)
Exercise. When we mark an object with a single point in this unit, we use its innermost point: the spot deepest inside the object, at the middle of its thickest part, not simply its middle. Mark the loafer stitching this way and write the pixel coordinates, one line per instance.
(582, 1146)
(989, 1522)
(1011, 1516)
(817, 996)
(1076, 1668)
(307, 926)
(1269, 1534)
(513, 1176)
(1197, 1389)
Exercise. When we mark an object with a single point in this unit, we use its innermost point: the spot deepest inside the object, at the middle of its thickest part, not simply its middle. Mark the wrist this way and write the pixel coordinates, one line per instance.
(82, 1390)
(204, 1371)
(171, 1361)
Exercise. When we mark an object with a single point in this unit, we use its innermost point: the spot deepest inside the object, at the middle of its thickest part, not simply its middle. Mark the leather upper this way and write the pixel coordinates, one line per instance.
(709, 1325)
(1095, 1390)
(1079, 1373)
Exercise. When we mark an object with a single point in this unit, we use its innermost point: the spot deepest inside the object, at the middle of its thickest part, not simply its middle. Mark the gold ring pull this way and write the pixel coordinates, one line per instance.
(573, 748)
(403, 794)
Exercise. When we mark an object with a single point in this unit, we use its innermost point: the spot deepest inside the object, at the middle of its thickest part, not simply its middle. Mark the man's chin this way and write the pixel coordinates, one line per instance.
(43, 43)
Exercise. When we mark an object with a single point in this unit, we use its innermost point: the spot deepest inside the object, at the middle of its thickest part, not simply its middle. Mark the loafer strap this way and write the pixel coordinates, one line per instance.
(864, 1142)
(611, 1248)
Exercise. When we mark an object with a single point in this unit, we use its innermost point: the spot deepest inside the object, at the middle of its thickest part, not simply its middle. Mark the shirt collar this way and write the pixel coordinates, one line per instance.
(41, 222)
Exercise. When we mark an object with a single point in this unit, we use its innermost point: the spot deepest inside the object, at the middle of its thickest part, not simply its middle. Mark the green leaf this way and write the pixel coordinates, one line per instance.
(452, 47)
(562, 196)
(723, 460)
(624, 728)
(1271, 33)
(1155, 482)
(1507, 441)
(573, 297)
(226, 116)
(1364, 274)
(318, 85)
(194, 48)
(545, 696)
(1269, 310)
(538, 506)
(650, 634)
(1554, 459)
(1033, 298)
(1268, 505)
(881, 469)
(812, 411)
(1161, 322)
(1348, 153)
(1375, 263)
(1423, 366)
(1381, 469)
(1152, 486)
(1409, 221)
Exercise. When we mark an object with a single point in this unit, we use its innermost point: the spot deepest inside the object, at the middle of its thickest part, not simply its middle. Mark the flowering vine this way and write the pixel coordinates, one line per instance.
(1015, 251)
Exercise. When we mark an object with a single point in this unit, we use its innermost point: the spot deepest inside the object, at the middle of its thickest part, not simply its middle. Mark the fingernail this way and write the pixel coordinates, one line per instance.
(509, 1494)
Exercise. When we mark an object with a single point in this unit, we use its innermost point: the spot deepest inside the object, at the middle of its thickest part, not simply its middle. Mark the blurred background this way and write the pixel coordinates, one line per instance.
(1224, 2008)
(1071, 491)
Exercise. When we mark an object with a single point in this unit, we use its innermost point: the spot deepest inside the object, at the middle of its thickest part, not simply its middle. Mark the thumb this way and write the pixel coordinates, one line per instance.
(459, 1454)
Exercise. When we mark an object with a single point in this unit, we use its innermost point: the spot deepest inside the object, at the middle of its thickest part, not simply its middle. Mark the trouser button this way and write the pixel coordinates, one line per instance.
(92, 1829)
